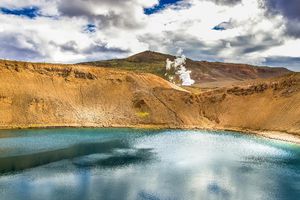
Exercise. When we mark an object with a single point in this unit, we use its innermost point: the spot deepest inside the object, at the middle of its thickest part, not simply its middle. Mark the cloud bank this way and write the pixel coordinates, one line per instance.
(263, 32)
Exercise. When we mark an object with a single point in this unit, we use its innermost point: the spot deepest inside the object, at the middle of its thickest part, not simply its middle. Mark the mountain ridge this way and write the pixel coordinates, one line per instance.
(202, 71)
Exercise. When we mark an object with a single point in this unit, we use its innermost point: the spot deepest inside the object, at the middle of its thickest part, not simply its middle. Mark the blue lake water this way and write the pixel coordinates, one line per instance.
(134, 164)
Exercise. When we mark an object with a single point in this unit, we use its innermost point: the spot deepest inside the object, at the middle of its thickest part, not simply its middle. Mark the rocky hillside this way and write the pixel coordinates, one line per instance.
(202, 72)
(41, 95)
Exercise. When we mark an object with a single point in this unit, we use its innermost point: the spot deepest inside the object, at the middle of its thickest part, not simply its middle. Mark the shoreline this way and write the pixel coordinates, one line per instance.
(269, 134)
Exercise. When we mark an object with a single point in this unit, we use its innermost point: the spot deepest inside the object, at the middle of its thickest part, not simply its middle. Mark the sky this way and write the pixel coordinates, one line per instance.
(260, 32)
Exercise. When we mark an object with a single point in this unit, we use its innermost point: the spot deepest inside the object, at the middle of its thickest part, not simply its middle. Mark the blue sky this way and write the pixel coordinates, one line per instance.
(160, 6)
(30, 12)
(260, 32)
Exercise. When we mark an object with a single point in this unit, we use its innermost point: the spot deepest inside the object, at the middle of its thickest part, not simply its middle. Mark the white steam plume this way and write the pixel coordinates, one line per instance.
(178, 68)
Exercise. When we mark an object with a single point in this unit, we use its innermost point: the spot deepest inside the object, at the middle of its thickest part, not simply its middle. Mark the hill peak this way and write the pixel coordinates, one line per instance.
(203, 72)
(149, 56)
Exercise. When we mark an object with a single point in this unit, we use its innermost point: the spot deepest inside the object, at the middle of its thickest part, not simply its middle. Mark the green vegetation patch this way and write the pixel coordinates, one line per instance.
(142, 114)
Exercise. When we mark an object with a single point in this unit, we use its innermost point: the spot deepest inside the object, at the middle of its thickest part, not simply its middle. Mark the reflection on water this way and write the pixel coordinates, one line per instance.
(140, 164)
(95, 152)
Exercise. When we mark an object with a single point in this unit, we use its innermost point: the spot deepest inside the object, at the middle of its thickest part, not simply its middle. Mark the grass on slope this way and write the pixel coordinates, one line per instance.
(156, 67)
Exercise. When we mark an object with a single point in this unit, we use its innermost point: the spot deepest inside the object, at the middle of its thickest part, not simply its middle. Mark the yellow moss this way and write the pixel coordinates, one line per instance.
(142, 114)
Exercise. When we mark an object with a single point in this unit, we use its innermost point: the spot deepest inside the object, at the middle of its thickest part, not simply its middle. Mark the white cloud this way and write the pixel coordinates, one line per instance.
(123, 29)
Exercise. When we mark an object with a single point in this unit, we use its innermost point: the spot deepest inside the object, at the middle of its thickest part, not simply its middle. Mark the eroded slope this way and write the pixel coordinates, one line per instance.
(39, 95)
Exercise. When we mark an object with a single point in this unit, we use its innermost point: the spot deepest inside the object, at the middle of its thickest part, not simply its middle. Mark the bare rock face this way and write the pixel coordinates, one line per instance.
(43, 95)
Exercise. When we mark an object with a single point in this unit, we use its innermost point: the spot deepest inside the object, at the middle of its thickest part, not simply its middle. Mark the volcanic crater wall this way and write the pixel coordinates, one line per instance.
(43, 95)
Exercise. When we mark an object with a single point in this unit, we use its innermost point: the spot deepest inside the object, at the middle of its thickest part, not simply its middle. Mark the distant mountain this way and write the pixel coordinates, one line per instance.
(202, 71)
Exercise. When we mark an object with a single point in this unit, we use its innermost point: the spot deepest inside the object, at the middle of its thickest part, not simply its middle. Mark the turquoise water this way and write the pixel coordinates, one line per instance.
(142, 164)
